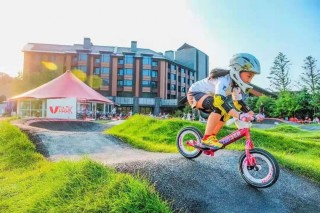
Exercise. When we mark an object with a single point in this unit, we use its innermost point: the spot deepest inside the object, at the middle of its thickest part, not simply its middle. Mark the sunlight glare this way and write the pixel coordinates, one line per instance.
(80, 74)
(49, 65)
(96, 81)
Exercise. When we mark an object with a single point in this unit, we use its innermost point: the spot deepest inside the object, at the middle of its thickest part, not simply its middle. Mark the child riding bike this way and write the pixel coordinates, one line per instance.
(210, 94)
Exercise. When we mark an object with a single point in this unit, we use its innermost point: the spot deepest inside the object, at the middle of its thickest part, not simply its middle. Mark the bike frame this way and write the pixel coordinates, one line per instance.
(233, 137)
(240, 133)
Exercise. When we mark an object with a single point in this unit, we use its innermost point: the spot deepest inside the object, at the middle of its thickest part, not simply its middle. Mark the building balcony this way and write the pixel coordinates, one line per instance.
(129, 101)
(147, 101)
(169, 102)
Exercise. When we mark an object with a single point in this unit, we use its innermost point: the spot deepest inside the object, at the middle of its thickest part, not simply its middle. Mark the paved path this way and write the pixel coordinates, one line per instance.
(206, 184)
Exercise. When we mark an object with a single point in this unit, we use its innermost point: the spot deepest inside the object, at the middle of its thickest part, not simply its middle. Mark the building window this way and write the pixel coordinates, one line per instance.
(83, 68)
(83, 56)
(145, 83)
(154, 63)
(183, 80)
(173, 67)
(124, 94)
(154, 84)
(128, 59)
(105, 58)
(120, 61)
(96, 71)
(105, 70)
(97, 60)
(171, 96)
(154, 73)
(125, 83)
(146, 72)
(146, 60)
(120, 72)
(105, 82)
(128, 71)
(149, 95)
(172, 87)
(182, 71)
(173, 77)
(182, 89)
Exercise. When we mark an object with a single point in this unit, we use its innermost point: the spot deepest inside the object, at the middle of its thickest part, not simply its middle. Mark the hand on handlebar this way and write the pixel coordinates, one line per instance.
(259, 117)
(245, 117)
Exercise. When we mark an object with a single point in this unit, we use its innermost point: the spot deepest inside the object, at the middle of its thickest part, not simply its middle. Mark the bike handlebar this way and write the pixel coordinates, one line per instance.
(258, 117)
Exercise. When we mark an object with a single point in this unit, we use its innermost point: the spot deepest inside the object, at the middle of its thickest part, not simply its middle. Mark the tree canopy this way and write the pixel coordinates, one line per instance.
(279, 75)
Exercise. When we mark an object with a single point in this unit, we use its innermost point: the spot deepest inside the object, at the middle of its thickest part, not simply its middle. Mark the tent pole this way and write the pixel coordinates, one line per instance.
(30, 109)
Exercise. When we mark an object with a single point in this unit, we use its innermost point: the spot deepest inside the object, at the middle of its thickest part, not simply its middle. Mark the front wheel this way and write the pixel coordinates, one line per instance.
(264, 174)
(186, 135)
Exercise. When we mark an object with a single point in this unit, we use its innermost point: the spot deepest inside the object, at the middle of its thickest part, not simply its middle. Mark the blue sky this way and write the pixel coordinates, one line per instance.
(263, 28)
(220, 28)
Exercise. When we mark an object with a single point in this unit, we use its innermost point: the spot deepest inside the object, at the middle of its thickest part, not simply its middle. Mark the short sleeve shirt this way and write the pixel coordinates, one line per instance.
(217, 86)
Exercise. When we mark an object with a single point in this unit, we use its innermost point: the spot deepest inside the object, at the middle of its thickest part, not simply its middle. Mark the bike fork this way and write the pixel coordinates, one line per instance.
(251, 160)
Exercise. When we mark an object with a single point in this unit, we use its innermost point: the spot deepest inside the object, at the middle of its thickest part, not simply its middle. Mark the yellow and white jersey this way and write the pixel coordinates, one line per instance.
(217, 86)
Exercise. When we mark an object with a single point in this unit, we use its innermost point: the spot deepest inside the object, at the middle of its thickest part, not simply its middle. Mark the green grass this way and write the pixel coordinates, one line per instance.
(30, 183)
(295, 149)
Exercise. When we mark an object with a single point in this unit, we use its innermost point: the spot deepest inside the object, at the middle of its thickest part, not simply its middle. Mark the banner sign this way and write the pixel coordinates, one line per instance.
(65, 108)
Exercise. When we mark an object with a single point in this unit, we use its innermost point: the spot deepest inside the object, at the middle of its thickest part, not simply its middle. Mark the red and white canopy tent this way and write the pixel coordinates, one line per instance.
(66, 87)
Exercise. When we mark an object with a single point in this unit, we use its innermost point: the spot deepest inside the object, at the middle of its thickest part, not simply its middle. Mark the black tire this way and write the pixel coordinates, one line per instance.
(185, 134)
(265, 174)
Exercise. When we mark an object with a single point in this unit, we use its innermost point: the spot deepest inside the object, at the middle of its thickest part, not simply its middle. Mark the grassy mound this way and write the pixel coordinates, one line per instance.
(153, 134)
(285, 128)
(29, 183)
(295, 149)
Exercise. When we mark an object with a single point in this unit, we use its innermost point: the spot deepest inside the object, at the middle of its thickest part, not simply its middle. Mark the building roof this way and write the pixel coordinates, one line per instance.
(66, 85)
(94, 49)
(186, 46)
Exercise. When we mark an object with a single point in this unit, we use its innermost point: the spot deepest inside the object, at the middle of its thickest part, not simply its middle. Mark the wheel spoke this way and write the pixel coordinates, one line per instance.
(264, 174)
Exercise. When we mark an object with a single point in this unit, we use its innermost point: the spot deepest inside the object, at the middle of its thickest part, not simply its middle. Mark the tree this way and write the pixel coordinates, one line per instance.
(20, 84)
(268, 103)
(279, 75)
(5, 84)
(311, 81)
(252, 102)
(2, 98)
(287, 104)
(311, 76)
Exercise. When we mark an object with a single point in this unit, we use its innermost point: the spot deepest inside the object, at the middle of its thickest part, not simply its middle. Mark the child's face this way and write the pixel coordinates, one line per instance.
(246, 77)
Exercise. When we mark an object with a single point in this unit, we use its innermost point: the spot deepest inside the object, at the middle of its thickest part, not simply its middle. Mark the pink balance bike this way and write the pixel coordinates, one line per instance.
(256, 166)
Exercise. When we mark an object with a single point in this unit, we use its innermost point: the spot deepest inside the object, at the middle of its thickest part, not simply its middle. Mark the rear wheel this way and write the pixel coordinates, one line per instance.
(264, 174)
(185, 135)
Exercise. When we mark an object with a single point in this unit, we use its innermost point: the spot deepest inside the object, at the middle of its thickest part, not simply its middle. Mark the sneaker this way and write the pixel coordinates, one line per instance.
(212, 141)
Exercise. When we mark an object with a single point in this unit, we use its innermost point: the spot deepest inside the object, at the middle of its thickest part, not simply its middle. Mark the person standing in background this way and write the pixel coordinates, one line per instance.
(261, 109)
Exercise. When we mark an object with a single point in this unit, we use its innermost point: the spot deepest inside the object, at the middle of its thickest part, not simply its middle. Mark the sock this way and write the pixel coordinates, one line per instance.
(206, 136)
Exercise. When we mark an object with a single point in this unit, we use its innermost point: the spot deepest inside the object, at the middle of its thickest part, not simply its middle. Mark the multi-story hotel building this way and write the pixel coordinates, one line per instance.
(137, 79)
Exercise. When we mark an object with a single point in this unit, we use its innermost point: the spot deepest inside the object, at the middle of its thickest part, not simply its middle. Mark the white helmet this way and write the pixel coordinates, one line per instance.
(243, 62)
